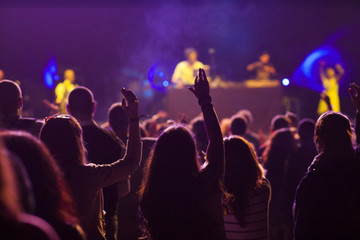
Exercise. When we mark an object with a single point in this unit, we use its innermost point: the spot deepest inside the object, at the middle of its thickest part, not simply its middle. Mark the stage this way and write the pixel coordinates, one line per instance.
(263, 101)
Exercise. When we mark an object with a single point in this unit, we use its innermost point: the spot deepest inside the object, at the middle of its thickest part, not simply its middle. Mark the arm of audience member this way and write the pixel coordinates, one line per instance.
(215, 149)
(108, 174)
(340, 70)
(326, 98)
(133, 150)
(355, 97)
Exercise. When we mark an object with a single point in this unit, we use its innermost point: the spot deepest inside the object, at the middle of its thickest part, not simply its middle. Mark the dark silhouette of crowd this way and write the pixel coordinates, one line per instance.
(68, 177)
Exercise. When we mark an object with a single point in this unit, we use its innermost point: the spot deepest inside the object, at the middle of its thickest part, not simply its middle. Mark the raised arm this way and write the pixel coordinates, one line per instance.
(108, 174)
(340, 70)
(133, 151)
(215, 149)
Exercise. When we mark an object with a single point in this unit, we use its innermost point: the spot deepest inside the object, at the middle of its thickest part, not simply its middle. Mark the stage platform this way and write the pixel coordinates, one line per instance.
(263, 101)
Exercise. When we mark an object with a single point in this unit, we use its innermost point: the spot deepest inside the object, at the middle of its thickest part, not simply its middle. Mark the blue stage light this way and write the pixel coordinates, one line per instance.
(161, 74)
(50, 73)
(165, 83)
(308, 73)
(285, 82)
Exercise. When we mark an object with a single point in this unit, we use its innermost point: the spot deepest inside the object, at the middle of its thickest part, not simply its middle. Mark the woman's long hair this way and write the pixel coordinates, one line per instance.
(53, 201)
(62, 134)
(279, 152)
(170, 174)
(333, 139)
(243, 174)
(9, 199)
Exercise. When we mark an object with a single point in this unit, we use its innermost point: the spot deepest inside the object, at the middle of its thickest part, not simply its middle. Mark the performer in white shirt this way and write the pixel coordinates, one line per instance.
(186, 71)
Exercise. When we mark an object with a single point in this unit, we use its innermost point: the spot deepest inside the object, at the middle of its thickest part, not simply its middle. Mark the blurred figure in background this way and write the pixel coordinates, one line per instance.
(250, 135)
(63, 89)
(307, 149)
(248, 204)
(330, 78)
(186, 71)
(263, 68)
(11, 102)
(277, 159)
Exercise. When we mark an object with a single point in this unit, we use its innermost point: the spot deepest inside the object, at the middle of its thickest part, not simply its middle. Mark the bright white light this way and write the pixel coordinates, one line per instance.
(285, 82)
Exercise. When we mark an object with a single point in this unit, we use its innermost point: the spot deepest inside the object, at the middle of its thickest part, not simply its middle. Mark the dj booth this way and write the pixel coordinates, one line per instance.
(262, 99)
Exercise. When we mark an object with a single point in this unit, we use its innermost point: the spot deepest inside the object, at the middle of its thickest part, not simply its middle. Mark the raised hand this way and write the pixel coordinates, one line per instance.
(201, 87)
(355, 95)
(130, 103)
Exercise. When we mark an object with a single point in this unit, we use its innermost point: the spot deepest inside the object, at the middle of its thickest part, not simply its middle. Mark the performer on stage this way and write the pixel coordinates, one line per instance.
(186, 71)
(330, 78)
(263, 68)
(62, 90)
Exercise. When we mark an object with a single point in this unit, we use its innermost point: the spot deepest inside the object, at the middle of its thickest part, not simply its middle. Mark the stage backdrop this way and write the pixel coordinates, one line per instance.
(264, 103)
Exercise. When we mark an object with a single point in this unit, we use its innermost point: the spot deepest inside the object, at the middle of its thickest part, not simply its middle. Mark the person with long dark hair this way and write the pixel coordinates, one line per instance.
(62, 134)
(53, 201)
(327, 204)
(278, 158)
(16, 225)
(248, 192)
(178, 199)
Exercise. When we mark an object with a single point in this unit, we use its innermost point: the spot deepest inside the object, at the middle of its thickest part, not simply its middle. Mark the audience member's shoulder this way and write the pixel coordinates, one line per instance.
(307, 183)
(148, 141)
(31, 125)
(32, 227)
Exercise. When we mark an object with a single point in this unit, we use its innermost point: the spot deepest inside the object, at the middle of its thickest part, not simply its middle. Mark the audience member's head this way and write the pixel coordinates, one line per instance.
(292, 118)
(2, 75)
(305, 129)
(81, 103)
(118, 119)
(278, 122)
(69, 74)
(225, 126)
(62, 134)
(198, 128)
(10, 97)
(238, 126)
(174, 159)
(241, 164)
(333, 135)
(247, 115)
(52, 198)
(282, 147)
(243, 173)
